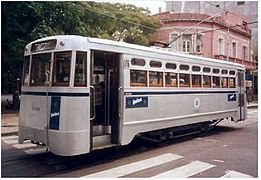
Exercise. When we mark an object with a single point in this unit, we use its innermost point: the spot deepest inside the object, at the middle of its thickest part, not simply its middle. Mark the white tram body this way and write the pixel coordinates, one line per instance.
(113, 91)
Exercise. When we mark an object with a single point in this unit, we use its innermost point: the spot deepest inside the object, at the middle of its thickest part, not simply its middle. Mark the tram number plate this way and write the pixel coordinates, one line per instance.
(136, 102)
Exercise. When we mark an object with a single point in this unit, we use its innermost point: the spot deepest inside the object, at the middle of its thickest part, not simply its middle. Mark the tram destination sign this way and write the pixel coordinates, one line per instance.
(43, 45)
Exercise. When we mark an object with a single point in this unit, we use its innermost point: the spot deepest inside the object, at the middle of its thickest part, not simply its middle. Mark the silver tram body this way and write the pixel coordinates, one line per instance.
(124, 90)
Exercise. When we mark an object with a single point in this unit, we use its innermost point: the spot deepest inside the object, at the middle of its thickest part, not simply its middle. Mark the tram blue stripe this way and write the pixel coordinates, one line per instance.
(55, 94)
(178, 92)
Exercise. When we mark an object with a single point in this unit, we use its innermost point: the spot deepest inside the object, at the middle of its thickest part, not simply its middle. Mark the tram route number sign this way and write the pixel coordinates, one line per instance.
(136, 102)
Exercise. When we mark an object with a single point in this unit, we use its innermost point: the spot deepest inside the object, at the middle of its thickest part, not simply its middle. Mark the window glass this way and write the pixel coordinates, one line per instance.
(40, 68)
(138, 62)
(206, 81)
(171, 79)
(196, 68)
(80, 77)
(62, 67)
(184, 80)
(196, 80)
(156, 64)
(156, 79)
(184, 67)
(206, 69)
(232, 82)
(224, 82)
(138, 78)
(216, 71)
(171, 66)
(216, 82)
(232, 73)
(224, 71)
(25, 81)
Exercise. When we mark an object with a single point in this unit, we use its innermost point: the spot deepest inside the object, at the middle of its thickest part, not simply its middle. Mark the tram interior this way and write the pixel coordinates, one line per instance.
(105, 80)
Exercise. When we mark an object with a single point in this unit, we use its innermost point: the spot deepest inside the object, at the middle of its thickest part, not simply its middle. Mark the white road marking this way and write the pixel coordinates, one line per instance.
(11, 141)
(186, 170)
(235, 174)
(135, 167)
(9, 137)
(22, 146)
(35, 151)
(217, 160)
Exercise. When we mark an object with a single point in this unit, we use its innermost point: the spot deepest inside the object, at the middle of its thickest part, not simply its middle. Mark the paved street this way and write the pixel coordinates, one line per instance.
(229, 150)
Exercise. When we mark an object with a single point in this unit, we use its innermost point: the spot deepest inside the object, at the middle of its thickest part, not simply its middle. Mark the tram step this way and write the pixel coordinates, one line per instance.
(102, 141)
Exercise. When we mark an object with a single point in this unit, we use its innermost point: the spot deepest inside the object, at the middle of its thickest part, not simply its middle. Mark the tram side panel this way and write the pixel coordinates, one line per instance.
(174, 109)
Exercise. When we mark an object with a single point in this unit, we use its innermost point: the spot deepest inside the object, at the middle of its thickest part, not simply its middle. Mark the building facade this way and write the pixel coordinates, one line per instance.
(225, 37)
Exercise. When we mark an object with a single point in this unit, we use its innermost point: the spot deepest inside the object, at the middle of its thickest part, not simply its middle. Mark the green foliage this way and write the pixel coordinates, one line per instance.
(25, 21)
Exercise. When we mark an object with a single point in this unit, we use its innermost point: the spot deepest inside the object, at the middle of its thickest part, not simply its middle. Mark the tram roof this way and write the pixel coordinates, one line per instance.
(117, 44)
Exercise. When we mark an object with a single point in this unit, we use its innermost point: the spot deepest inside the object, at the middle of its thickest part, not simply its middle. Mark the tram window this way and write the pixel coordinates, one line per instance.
(62, 67)
(206, 69)
(171, 79)
(216, 82)
(206, 81)
(196, 80)
(80, 77)
(26, 70)
(138, 62)
(215, 71)
(138, 78)
(40, 66)
(184, 80)
(171, 66)
(184, 67)
(224, 71)
(232, 73)
(232, 82)
(196, 68)
(224, 82)
(156, 79)
(155, 64)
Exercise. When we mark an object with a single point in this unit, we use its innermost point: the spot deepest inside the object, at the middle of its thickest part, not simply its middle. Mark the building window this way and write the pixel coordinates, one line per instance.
(198, 43)
(244, 25)
(244, 52)
(240, 3)
(186, 43)
(234, 46)
(221, 46)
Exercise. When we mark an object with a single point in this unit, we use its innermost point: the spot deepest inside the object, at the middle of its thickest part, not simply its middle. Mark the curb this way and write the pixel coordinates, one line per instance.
(9, 133)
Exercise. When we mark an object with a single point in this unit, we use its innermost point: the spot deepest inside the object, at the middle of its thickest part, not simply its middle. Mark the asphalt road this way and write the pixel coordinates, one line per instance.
(229, 150)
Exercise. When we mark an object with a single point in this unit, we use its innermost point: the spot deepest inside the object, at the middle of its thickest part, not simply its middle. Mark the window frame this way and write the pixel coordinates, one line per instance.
(138, 84)
(81, 84)
(158, 84)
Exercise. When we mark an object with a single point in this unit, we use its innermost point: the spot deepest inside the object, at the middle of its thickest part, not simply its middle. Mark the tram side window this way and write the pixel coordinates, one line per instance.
(206, 81)
(196, 81)
(224, 82)
(171, 79)
(156, 79)
(40, 67)
(184, 80)
(80, 77)
(138, 78)
(216, 82)
(232, 82)
(26, 70)
(62, 67)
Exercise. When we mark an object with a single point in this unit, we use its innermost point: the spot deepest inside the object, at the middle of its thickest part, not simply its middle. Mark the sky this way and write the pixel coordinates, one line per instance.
(152, 5)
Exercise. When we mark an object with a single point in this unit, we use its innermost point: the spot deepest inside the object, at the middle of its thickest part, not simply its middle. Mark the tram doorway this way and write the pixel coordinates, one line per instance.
(104, 99)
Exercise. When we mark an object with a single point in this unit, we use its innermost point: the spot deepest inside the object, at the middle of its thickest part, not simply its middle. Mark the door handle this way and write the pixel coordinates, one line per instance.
(93, 104)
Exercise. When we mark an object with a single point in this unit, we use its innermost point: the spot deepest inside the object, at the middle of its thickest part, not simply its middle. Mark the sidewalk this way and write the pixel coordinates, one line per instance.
(9, 122)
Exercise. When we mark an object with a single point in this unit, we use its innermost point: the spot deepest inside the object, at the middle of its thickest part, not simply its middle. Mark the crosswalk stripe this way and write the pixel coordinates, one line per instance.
(35, 151)
(9, 137)
(11, 141)
(22, 146)
(135, 167)
(186, 170)
(235, 174)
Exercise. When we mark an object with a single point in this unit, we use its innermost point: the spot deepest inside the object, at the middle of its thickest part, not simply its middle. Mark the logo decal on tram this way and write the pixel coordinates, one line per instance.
(136, 102)
(231, 97)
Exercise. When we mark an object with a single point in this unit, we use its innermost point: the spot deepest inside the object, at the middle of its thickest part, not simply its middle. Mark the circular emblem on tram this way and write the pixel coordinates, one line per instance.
(196, 103)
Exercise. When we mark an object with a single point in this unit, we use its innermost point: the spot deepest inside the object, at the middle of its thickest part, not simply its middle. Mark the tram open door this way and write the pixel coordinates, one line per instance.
(104, 104)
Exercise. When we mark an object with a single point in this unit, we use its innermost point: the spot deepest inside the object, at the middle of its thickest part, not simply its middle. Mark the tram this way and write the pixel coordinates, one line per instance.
(81, 94)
